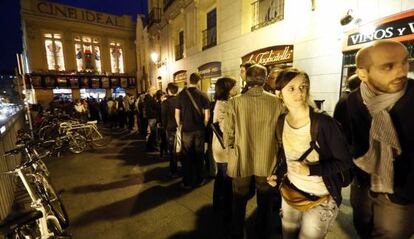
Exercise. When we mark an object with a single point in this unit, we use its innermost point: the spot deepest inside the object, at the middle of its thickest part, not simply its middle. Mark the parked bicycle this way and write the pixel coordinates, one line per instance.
(34, 176)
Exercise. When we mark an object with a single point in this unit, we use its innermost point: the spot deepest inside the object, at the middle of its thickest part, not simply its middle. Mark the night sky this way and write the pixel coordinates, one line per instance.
(11, 42)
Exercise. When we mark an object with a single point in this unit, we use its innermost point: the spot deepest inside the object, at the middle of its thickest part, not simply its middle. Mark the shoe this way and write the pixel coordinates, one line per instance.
(186, 187)
(174, 175)
(203, 181)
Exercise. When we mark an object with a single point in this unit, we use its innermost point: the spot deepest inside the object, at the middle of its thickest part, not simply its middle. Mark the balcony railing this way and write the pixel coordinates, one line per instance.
(209, 37)
(266, 12)
(179, 52)
(154, 16)
(167, 4)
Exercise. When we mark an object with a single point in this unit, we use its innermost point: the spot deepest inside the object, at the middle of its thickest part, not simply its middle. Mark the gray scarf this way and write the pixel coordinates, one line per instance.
(384, 145)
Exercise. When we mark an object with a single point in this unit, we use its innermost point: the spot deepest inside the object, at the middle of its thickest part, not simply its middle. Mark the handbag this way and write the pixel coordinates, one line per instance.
(219, 134)
(299, 199)
(178, 139)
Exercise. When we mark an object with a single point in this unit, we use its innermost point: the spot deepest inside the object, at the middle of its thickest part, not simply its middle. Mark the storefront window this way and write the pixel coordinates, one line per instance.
(97, 94)
(88, 54)
(65, 94)
(54, 51)
(117, 62)
(116, 92)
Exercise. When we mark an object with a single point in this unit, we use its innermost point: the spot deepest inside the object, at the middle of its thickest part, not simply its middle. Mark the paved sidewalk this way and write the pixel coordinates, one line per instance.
(122, 192)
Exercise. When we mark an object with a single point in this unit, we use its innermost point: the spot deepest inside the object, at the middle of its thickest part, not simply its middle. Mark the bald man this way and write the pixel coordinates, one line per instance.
(382, 135)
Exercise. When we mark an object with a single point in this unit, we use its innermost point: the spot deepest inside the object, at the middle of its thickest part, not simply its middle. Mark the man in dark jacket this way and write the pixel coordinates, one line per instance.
(194, 122)
(169, 124)
(381, 116)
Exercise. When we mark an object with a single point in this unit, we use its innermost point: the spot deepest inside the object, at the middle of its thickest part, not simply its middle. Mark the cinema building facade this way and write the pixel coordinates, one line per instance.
(77, 53)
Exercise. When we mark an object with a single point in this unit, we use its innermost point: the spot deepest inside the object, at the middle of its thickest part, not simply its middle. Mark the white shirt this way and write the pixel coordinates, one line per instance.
(295, 143)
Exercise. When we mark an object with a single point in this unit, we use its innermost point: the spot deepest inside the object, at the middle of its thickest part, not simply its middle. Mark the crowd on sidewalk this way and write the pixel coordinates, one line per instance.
(275, 143)
(271, 140)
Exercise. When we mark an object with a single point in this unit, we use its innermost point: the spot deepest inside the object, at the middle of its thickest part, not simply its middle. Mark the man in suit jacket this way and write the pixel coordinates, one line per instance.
(249, 133)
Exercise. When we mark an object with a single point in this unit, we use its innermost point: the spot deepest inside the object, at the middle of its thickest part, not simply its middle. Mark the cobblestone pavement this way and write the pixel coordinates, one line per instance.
(120, 191)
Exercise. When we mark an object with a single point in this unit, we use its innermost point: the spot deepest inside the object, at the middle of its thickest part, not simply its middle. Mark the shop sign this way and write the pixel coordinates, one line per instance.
(95, 83)
(114, 82)
(132, 82)
(84, 82)
(74, 82)
(180, 76)
(398, 27)
(62, 11)
(124, 82)
(105, 82)
(211, 69)
(271, 55)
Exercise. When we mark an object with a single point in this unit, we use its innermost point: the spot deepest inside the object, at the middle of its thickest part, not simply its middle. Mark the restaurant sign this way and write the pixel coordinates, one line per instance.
(271, 55)
(180, 76)
(398, 27)
(211, 69)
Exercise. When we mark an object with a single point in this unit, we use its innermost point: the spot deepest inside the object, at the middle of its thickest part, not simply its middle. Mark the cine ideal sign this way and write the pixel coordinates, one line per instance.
(271, 55)
(398, 27)
(62, 11)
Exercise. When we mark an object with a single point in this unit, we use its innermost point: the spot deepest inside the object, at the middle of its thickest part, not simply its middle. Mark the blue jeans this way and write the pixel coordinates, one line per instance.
(313, 223)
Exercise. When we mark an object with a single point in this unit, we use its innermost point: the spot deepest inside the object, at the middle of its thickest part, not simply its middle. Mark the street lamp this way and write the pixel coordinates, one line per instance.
(154, 57)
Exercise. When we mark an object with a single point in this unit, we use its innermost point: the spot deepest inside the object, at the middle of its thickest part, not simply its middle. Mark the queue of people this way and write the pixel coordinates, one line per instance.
(277, 145)
(296, 159)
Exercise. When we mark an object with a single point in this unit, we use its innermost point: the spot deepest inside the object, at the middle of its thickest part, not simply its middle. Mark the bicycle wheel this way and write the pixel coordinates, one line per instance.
(29, 231)
(52, 200)
(77, 143)
(98, 139)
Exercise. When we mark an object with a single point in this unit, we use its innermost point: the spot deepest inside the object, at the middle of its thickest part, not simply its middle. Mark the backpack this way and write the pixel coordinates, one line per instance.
(344, 177)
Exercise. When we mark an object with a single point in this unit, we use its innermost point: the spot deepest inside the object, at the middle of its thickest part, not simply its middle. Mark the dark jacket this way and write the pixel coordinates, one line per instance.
(151, 107)
(168, 113)
(334, 156)
(402, 115)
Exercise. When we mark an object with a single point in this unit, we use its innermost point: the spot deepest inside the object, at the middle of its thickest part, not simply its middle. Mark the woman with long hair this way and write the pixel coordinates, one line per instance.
(310, 187)
(222, 195)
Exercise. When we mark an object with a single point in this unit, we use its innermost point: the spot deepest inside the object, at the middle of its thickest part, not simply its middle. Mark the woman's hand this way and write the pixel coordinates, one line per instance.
(298, 167)
(271, 180)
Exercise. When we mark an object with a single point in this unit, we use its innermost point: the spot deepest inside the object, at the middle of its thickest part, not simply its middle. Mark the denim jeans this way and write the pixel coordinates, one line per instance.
(313, 223)
(192, 161)
(378, 217)
(241, 194)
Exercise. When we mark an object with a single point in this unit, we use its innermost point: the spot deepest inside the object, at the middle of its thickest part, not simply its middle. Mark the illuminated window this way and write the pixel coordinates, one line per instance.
(117, 62)
(88, 54)
(54, 51)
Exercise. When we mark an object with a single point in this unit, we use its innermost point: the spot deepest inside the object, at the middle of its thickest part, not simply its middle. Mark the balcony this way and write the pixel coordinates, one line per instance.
(179, 52)
(154, 16)
(209, 38)
(266, 12)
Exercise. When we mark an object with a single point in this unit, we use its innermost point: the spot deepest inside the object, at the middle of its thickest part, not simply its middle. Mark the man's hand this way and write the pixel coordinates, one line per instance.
(271, 180)
(298, 167)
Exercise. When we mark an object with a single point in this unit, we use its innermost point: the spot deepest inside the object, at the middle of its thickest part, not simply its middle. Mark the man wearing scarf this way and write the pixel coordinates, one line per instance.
(381, 114)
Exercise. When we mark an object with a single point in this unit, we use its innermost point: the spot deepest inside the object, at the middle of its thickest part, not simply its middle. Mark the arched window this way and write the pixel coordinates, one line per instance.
(117, 57)
(54, 51)
(88, 54)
